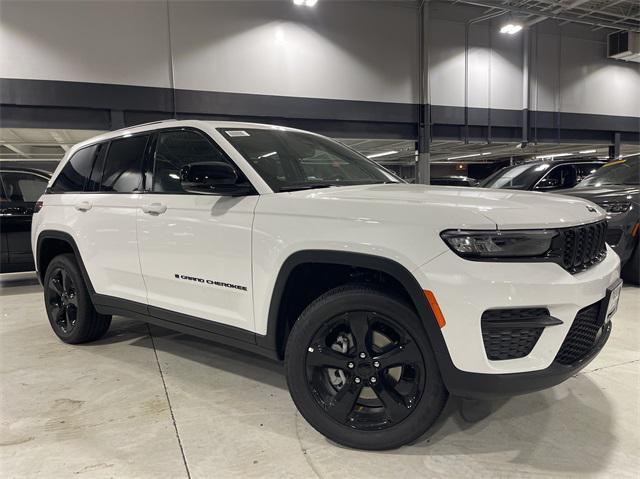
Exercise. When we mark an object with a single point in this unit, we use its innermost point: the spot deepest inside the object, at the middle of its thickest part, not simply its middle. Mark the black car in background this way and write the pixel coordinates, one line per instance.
(20, 188)
(616, 188)
(454, 181)
(542, 175)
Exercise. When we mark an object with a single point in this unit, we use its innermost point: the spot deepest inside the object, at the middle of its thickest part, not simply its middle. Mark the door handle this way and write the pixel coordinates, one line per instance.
(83, 206)
(154, 208)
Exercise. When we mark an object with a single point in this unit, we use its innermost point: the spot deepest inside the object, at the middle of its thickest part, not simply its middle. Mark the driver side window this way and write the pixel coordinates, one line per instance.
(562, 176)
(176, 149)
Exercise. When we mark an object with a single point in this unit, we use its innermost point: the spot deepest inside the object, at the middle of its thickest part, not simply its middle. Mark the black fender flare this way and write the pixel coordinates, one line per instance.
(67, 238)
(373, 262)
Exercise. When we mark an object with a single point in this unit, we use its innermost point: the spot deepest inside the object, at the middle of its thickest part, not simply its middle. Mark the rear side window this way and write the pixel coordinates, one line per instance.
(76, 172)
(122, 172)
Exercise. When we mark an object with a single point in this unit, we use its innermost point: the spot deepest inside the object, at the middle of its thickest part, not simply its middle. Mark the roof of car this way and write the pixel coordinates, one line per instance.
(169, 123)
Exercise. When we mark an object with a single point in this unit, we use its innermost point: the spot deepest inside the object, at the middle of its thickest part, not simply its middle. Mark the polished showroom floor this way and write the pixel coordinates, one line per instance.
(147, 402)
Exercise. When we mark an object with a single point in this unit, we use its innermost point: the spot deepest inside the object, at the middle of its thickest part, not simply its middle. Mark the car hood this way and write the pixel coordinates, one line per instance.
(600, 194)
(508, 209)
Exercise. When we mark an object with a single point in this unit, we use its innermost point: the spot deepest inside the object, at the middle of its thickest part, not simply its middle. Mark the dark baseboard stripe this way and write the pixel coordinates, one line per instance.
(63, 104)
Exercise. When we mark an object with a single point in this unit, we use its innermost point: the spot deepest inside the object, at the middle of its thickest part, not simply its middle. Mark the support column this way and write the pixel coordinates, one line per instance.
(424, 114)
(525, 87)
(614, 150)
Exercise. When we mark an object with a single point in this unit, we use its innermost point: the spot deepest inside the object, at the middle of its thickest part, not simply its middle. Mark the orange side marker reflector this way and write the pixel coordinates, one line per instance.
(635, 229)
(435, 308)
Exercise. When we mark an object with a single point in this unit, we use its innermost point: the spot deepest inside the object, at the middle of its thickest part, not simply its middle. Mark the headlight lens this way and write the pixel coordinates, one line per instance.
(499, 244)
(615, 207)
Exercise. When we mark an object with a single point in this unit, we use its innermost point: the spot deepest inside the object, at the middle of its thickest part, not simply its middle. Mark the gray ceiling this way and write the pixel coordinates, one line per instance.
(610, 14)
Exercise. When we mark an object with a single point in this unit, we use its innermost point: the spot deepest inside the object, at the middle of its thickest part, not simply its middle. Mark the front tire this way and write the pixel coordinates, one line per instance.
(361, 370)
(71, 313)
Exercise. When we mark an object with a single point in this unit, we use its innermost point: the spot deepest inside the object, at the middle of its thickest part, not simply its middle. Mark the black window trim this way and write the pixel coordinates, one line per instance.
(107, 142)
(149, 165)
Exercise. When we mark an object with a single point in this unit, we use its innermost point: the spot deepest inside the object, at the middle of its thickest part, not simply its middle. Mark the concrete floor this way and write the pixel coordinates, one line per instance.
(147, 402)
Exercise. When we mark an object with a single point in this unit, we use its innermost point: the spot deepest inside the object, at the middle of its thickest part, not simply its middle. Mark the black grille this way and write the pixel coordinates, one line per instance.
(504, 334)
(583, 246)
(582, 336)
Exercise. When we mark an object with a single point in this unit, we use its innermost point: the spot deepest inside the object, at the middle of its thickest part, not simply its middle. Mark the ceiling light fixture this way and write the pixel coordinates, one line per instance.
(463, 156)
(511, 28)
(587, 152)
(306, 3)
(551, 157)
(385, 153)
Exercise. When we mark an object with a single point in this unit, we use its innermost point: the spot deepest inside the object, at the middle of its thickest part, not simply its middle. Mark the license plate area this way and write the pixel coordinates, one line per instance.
(611, 300)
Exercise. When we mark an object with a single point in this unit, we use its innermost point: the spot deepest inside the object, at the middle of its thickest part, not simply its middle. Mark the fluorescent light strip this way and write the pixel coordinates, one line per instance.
(378, 155)
(266, 155)
(587, 152)
(464, 156)
(555, 155)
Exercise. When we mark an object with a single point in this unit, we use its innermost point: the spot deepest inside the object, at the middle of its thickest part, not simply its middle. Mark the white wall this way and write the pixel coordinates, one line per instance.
(569, 68)
(339, 50)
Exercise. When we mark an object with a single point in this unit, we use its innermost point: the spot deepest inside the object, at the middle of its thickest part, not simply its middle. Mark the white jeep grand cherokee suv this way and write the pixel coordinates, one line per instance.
(381, 297)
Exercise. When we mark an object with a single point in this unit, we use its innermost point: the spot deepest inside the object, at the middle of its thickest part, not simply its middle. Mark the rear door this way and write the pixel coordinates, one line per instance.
(195, 249)
(100, 189)
(21, 191)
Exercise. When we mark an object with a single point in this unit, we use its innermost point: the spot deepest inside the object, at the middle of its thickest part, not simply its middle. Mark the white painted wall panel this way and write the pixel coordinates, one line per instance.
(343, 50)
(101, 42)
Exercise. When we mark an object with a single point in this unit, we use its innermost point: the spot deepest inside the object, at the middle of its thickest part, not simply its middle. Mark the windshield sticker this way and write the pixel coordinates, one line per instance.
(237, 133)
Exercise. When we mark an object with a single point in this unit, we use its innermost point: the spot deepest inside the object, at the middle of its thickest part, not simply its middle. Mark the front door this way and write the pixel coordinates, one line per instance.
(21, 191)
(195, 249)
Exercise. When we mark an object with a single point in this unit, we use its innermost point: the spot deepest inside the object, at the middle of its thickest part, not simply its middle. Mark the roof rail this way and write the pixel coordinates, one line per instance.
(143, 124)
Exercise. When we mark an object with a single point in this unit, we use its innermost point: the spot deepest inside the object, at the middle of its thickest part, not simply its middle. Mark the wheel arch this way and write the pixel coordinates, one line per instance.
(50, 244)
(275, 338)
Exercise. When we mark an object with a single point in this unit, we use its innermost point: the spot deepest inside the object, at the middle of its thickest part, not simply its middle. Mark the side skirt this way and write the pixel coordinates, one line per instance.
(202, 328)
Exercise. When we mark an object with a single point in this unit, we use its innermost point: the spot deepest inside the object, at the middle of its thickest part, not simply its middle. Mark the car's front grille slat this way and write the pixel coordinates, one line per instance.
(583, 246)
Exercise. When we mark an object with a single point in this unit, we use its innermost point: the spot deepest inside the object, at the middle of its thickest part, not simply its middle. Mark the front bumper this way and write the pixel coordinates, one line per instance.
(465, 289)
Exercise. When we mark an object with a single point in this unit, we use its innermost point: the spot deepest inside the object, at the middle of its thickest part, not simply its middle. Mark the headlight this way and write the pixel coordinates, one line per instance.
(499, 244)
(615, 207)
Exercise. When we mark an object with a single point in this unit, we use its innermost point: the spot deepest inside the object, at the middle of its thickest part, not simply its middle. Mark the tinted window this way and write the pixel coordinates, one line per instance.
(585, 169)
(620, 172)
(563, 176)
(520, 177)
(174, 150)
(290, 160)
(93, 184)
(23, 187)
(123, 164)
(76, 171)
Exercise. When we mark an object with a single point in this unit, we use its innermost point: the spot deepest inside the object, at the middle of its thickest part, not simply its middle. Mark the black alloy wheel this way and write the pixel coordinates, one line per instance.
(361, 370)
(63, 301)
(365, 370)
(71, 313)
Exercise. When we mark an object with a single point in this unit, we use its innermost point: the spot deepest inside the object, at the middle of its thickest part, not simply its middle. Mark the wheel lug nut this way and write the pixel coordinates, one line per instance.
(357, 380)
(373, 379)
(350, 365)
(376, 364)
(363, 355)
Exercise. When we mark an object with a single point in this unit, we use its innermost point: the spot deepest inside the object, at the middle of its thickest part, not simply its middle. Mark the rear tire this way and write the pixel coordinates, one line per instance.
(384, 389)
(631, 270)
(71, 313)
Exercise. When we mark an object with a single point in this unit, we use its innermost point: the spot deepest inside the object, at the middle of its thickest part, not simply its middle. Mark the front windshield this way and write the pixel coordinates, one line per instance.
(621, 172)
(292, 160)
(520, 177)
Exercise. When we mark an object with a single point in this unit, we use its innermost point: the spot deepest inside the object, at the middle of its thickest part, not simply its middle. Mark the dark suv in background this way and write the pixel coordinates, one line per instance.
(616, 188)
(20, 188)
(542, 175)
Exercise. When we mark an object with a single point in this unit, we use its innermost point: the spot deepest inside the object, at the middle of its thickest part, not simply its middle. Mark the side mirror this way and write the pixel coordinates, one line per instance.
(214, 177)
